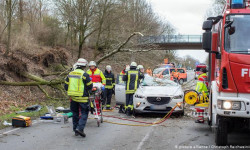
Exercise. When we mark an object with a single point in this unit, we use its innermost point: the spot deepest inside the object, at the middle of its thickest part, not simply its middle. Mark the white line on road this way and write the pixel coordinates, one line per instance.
(8, 132)
(139, 147)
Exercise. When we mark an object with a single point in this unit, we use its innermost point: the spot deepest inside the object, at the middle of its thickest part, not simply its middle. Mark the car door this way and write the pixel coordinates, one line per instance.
(120, 94)
(182, 74)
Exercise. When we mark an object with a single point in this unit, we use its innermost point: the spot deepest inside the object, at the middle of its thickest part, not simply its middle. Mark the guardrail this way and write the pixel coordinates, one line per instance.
(170, 39)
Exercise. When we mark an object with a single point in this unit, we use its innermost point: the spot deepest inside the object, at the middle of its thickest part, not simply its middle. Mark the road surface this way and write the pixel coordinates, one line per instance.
(175, 133)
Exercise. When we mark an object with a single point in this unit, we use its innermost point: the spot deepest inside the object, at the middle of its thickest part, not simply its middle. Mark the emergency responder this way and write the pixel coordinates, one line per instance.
(109, 88)
(78, 85)
(202, 82)
(202, 86)
(132, 78)
(96, 74)
(149, 71)
(123, 72)
(140, 68)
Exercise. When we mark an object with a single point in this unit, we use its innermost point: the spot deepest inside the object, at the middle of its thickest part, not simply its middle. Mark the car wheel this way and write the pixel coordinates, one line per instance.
(181, 81)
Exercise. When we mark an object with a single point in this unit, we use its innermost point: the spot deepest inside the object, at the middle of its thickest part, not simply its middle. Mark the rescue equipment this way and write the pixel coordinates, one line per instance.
(21, 121)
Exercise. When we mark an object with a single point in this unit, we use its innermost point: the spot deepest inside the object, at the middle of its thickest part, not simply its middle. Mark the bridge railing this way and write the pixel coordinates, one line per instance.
(170, 39)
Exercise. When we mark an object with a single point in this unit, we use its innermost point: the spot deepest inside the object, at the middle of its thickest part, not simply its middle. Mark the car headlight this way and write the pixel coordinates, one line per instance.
(140, 96)
(229, 105)
(178, 97)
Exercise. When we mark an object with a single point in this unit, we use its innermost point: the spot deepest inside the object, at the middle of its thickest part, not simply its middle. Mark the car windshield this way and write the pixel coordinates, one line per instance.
(151, 81)
(237, 34)
(158, 70)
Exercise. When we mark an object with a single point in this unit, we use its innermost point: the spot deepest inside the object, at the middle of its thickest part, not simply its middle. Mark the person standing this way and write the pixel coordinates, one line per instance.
(132, 78)
(96, 74)
(78, 86)
(109, 88)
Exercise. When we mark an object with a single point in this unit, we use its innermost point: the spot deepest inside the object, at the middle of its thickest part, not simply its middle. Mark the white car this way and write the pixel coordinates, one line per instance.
(154, 95)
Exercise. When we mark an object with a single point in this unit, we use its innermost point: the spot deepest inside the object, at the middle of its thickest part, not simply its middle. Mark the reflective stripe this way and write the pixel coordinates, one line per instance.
(80, 99)
(131, 107)
(109, 86)
(128, 83)
(89, 83)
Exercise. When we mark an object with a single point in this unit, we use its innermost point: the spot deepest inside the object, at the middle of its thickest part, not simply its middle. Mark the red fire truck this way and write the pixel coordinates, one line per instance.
(227, 40)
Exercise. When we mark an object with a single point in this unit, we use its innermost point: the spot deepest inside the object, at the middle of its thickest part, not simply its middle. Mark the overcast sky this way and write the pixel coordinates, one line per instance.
(186, 16)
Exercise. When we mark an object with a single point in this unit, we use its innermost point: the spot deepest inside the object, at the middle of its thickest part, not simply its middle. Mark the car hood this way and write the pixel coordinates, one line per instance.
(159, 91)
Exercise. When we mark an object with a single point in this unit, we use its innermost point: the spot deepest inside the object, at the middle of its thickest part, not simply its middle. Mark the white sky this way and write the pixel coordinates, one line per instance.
(186, 16)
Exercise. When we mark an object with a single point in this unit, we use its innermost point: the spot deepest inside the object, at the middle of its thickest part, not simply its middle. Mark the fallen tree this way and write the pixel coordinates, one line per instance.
(30, 83)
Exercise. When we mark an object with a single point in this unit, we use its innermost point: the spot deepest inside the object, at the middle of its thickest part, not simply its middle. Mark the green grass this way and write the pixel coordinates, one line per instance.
(33, 115)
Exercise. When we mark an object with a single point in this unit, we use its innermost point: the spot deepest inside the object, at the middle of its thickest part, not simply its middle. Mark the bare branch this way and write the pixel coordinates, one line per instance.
(119, 48)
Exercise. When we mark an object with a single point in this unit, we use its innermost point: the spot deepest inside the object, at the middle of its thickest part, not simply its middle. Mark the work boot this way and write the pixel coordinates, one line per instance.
(81, 132)
(76, 133)
(128, 113)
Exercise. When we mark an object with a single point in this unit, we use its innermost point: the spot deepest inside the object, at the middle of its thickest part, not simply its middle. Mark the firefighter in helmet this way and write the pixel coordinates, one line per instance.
(78, 86)
(96, 74)
(132, 78)
(110, 85)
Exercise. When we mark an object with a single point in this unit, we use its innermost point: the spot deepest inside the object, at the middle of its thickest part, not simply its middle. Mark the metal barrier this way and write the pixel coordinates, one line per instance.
(170, 39)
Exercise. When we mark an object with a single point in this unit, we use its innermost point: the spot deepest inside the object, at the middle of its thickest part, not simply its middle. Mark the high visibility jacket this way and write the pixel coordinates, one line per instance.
(110, 80)
(132, 77)
(202, 84)
(97, 76)
(78, 85)
(122, 73)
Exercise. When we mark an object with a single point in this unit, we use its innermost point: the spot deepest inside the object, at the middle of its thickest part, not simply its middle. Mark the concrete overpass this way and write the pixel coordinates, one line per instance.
(173, 42)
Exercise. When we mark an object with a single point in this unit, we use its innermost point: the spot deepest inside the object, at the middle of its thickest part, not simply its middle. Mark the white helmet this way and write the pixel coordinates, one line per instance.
(92, 63)
(81, 62)
(133, 64)
(140, 67)
(108, 68)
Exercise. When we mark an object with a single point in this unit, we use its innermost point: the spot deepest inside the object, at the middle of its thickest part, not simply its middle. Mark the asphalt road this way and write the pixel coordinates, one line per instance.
(175, 133)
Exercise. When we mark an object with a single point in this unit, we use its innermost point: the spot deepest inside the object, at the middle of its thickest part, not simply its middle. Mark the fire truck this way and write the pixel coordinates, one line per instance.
(227, 40)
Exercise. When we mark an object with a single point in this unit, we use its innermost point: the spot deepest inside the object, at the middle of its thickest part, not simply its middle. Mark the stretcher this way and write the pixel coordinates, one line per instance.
(96, 102)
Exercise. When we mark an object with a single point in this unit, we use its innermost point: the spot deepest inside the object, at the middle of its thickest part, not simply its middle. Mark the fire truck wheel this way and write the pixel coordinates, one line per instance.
(221, 132)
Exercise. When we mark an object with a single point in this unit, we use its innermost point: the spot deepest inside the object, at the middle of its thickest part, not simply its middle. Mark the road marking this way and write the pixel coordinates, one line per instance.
(139, 147)
(8, 132)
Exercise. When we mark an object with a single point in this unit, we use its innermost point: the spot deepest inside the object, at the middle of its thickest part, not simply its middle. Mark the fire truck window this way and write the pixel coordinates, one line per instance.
(238, 41)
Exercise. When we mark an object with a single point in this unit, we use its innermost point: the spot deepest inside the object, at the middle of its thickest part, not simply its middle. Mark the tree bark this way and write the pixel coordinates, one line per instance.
(9, 10)
(30, 83)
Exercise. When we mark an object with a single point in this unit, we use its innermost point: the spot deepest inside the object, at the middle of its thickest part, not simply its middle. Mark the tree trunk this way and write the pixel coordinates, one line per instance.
(21, 12)
(30, 83)
(9, 10)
